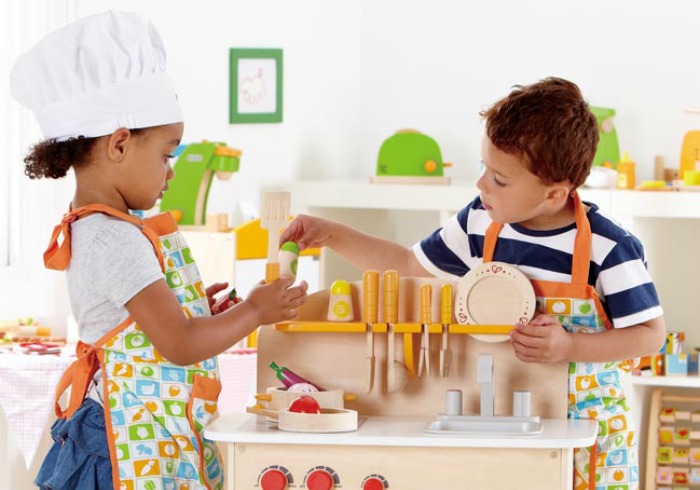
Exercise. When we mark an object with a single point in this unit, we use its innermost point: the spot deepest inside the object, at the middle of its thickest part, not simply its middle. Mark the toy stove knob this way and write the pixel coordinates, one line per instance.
(319, 480)
(373, 483)
(273, 480)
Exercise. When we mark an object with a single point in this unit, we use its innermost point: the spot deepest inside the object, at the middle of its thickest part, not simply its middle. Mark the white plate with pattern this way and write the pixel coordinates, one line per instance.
(495, 293)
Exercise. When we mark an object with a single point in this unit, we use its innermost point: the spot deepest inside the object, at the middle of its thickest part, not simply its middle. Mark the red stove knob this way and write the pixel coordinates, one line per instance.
(319, 480)
(373, 483)
(273, 480)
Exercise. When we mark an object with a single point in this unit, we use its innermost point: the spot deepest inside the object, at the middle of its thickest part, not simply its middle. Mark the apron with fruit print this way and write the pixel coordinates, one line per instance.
(594, 387)
(155, 411)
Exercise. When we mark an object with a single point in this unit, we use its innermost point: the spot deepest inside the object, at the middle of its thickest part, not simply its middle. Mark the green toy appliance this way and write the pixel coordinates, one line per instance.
(410, 156)
(608, 151)
(195, 169)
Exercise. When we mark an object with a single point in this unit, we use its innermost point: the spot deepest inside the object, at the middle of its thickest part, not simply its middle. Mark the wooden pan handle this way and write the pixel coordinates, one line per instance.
(370, 296)
(446, 304)
(391, 296)
(426, 304)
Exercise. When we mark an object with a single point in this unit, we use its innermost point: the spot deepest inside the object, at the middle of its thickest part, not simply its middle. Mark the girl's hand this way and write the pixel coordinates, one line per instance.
(307, 232)
(211, 292)
(277, 301)
(543, 340)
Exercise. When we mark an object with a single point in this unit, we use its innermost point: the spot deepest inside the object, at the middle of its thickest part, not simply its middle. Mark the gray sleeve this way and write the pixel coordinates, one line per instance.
(111, 262)
(124, 261)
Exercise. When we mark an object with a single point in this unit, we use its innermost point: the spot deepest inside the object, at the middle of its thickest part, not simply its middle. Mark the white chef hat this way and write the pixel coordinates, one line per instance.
(96, 75)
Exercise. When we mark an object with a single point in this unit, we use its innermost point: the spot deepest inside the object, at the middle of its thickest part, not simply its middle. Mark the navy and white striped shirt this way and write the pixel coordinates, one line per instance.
(618, 265)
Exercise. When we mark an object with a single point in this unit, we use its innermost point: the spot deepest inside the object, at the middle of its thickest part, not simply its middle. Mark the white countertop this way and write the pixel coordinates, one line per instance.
(400, 431)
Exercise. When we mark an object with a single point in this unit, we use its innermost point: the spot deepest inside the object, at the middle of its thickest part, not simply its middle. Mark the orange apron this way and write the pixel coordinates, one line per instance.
(156, 410)
(594, 387)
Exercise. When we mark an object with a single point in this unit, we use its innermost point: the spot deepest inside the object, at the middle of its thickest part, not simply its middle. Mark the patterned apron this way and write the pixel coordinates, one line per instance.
(594, 387)
(157, 410)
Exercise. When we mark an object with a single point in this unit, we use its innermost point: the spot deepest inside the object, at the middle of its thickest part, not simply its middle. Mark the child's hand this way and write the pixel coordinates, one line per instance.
(544, 340)
(211, 292)
(277, 301)
(307, 232)
(225, 302)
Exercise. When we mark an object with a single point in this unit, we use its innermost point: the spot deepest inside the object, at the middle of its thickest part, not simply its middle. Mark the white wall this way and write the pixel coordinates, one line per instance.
(435, 68)
(355, 72)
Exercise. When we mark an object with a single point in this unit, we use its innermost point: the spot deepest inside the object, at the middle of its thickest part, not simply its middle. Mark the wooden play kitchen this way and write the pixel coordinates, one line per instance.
(468, 414)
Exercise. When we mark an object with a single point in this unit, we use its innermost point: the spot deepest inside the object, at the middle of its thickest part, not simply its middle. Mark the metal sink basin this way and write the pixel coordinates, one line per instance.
(475, 425)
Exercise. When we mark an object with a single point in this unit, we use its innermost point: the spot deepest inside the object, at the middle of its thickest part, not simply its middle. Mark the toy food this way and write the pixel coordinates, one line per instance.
(289, 259)
(289, 378)
(305, 404)
(221, 304)
(302, 388)
(340, 302)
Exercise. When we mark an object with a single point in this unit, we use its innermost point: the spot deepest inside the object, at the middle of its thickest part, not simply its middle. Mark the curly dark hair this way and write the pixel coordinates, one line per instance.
(51, 159)
(550, 125)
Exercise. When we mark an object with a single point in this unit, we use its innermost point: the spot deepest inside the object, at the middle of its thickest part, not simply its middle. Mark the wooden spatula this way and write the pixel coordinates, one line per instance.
(274, 217)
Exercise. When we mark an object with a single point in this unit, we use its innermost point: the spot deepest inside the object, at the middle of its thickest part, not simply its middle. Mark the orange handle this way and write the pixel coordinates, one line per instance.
(426, 306)
(370, 295)
(272, 272)
(391, 296)
(446, 304)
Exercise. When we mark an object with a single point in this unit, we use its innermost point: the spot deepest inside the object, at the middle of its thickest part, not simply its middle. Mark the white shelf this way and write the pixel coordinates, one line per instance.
(666, 381)
(360, 194)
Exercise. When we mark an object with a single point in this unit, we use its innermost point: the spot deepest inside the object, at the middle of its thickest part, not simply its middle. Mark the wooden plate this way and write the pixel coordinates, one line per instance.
(494, 293)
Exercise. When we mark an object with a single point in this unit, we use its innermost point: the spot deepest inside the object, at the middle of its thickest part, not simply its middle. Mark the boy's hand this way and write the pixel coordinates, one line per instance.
(277, 301)
(543, 340)
(307, 232)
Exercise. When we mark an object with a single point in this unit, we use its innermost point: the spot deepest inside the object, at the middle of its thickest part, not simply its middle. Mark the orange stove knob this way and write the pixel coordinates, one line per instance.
(273, 480)
(319, 480)
(373, 483)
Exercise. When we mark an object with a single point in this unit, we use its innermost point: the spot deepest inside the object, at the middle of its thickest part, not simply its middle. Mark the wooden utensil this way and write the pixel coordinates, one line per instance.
(396, 372)
(274, 217)
(370, 300)
(445, 320)
(260, 410)
(426, 292)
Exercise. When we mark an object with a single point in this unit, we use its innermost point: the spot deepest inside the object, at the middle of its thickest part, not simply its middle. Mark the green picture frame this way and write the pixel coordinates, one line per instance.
(256, 91)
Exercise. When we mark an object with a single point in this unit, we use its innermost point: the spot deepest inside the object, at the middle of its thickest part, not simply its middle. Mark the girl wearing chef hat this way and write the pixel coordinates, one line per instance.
(146, 380)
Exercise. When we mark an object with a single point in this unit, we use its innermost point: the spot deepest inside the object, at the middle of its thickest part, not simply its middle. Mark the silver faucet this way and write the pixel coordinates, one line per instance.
(484, 376)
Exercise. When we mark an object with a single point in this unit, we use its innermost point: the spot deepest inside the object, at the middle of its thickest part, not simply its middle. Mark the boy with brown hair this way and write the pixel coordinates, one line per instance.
(589, 274)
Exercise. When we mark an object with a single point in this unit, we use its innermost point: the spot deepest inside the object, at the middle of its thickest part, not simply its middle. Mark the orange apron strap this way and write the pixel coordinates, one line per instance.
(77, 377)
(582, 243)
(57, 256)
(592, 466)
(490, 239)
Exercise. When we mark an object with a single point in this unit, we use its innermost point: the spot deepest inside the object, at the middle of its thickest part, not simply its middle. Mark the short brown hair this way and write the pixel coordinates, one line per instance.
(550, 125)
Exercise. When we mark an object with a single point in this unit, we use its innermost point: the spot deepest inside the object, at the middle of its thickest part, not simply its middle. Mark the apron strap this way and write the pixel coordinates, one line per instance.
(582, 243)
(57, 256)
(581, 262)
(490, 239)
(592, 466)
(77, 377)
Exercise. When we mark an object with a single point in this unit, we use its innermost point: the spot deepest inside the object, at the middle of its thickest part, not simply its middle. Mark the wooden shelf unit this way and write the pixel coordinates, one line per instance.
(660, 400)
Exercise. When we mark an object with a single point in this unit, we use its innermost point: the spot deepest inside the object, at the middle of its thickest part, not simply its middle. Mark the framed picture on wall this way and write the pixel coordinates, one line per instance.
(255, 85)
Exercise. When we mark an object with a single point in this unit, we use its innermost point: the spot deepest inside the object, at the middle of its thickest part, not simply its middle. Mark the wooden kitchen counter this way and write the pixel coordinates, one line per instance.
(395, 449)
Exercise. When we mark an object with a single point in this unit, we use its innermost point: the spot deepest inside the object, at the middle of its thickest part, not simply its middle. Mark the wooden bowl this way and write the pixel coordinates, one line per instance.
(329, 420)
(281, 398)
